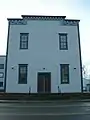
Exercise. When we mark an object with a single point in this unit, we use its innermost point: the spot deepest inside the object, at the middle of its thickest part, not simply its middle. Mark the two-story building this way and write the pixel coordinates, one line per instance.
(43, 55)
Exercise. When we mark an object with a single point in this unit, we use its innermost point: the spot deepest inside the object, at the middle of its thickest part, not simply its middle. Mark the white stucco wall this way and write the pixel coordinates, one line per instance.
(43, 52)
(2, 71)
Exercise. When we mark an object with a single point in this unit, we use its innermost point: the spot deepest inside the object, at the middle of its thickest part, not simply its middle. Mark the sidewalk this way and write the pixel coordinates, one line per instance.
(42, 101)
(39, 98)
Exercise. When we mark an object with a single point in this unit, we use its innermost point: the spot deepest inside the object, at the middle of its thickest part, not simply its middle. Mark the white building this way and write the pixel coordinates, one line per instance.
(43, 55)
(86, 84)
(2, 72)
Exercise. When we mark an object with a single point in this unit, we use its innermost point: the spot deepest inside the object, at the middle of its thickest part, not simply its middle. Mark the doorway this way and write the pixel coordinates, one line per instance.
(44, 82)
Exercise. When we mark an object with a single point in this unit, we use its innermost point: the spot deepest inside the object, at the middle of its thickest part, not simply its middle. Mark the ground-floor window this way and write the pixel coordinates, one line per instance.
(1, 84)
(22, 79)
(64, 68)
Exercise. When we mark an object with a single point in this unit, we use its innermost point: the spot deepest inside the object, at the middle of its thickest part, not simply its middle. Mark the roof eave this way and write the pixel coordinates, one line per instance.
(14, 19)
(23, 16)
(72, 20)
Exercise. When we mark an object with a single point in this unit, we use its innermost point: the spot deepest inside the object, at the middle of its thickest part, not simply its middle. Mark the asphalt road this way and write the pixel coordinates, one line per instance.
(45, 110)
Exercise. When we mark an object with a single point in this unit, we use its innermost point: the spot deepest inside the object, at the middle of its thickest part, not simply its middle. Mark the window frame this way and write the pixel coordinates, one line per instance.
(61, 74)
(19, 74)
(63, 42)
(21, 40)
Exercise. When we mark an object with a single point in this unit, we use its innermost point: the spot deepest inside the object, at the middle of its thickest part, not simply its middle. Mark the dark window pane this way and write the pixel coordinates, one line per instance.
(64, 44)
(1, 84)
(1, 66)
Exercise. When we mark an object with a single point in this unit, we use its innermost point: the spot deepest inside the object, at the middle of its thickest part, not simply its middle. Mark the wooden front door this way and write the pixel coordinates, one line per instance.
(44, 83)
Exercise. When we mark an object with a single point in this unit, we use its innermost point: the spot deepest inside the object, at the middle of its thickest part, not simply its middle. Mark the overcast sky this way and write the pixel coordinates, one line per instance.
(73, 9)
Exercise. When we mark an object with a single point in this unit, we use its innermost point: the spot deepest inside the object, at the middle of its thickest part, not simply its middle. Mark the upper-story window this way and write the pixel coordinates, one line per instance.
(63, 45)
(24, 40)
(1, 66)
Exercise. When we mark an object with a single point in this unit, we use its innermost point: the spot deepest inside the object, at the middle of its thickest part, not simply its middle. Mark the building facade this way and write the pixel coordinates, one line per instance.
(2, 72)
(43, 55)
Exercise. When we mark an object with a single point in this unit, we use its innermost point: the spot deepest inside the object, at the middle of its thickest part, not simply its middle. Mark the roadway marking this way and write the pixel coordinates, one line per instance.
(44, 114)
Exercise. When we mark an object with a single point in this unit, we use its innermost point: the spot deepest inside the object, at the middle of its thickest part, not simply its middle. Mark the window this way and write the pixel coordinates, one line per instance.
(1, 84)
(1, 74)
(64, 73)
(1, 66)
(63, 41)
(22, 74)
(24, 40)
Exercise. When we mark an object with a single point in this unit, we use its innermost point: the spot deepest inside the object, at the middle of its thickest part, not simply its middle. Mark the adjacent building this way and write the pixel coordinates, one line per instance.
(43, 55)
(86, 84)
(2, 73)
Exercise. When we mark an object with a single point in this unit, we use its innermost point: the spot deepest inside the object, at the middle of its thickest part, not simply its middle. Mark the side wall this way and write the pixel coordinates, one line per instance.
(43, 52)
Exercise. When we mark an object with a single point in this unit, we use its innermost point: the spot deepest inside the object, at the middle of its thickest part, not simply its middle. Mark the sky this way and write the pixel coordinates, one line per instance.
(73, 9)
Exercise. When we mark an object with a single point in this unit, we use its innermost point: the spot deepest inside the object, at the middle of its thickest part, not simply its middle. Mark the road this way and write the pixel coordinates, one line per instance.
(45, 110)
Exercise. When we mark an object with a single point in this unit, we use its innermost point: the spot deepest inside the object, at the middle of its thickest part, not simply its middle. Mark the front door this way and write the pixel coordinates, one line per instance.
(44, 83)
